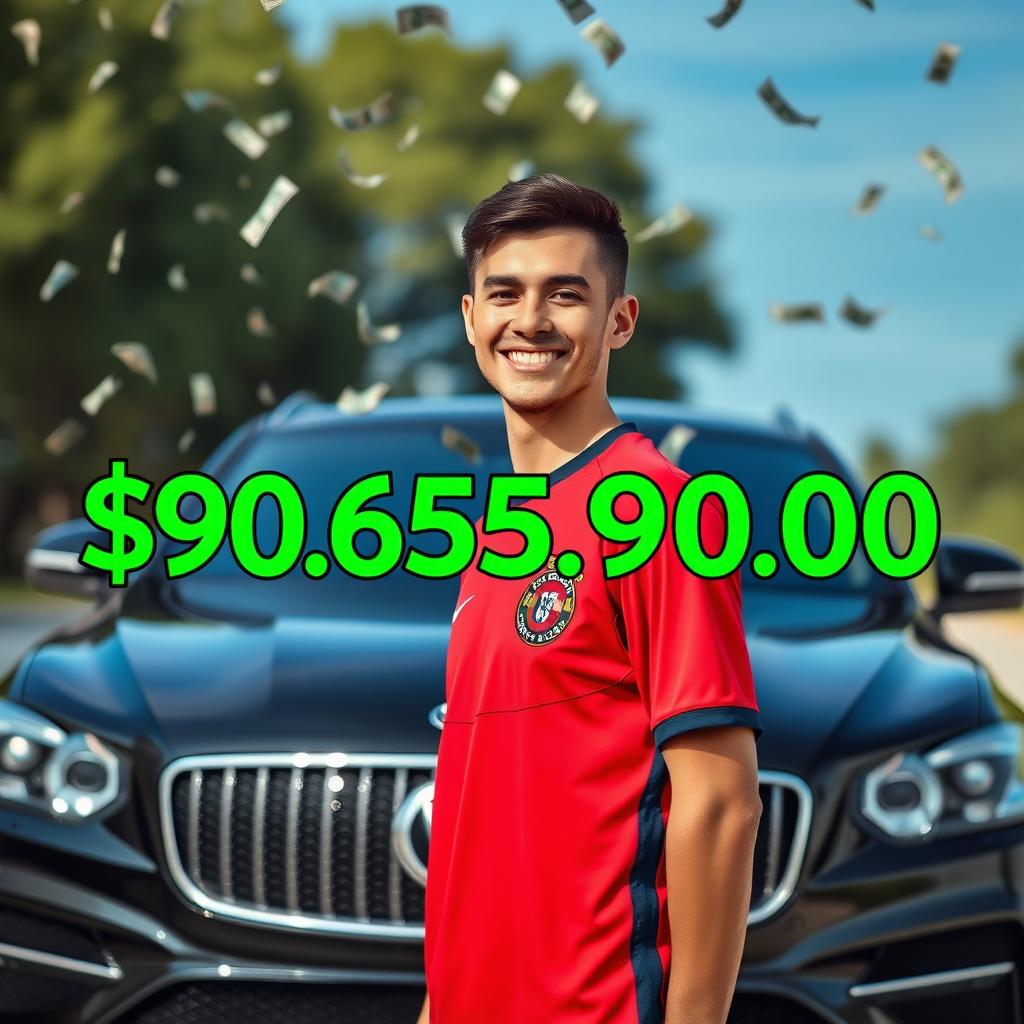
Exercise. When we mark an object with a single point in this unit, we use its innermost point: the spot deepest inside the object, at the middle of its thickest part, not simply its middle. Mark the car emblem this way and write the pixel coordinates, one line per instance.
(410, 832)
(436, 715)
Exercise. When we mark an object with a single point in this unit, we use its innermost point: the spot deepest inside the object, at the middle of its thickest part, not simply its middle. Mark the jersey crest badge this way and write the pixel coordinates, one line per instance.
(546, 606)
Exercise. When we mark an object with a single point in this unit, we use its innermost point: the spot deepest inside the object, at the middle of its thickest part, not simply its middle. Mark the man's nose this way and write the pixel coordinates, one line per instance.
(531, 318)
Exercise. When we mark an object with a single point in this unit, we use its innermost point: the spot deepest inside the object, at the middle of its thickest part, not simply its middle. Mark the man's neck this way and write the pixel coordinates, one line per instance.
(542, 444)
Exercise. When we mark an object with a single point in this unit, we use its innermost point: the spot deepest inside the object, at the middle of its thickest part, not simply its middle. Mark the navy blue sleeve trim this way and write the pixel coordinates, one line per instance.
(699, 718)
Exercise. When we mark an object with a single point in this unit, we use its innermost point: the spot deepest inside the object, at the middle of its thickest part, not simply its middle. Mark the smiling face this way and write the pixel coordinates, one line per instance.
(540, 321)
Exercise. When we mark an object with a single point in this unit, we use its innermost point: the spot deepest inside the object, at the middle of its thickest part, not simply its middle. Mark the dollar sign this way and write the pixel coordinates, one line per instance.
(104, 508)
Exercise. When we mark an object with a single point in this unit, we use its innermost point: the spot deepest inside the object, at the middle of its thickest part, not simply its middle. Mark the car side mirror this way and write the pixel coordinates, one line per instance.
(977, 575)
(52, 565)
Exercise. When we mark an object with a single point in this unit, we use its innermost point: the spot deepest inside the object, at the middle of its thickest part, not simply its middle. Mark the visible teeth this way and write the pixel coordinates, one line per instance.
(527, 358)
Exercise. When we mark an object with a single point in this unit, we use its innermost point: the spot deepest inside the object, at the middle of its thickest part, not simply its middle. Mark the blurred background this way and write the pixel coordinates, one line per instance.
(114, 160)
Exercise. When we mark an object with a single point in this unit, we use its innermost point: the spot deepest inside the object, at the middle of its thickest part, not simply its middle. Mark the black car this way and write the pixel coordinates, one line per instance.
(215, 791)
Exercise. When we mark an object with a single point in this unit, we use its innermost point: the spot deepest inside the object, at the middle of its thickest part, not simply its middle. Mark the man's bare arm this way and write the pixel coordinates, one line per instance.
(709, 850)
(424, 1017)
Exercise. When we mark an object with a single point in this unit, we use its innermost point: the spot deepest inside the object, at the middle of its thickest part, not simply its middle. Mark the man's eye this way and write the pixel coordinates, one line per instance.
(495, 295)
(571, 295)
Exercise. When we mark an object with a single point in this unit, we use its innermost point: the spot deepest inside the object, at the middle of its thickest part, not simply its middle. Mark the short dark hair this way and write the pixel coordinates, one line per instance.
(543, 201)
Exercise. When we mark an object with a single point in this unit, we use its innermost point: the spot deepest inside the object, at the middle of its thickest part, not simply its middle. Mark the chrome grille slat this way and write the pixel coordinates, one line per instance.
(394, 871)
(362, 817)
(227, 796)
(774, 840)
(259, 817)
(195, 792)
(326, 823)
(291, 847)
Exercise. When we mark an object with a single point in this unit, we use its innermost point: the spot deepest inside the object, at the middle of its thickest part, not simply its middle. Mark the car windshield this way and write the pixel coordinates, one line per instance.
(324, 462)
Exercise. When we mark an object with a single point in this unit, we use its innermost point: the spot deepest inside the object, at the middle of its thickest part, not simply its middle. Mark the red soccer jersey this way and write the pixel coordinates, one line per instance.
(546, 898)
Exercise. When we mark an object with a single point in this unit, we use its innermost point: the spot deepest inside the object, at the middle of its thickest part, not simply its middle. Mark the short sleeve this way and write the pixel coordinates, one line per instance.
(684, 634)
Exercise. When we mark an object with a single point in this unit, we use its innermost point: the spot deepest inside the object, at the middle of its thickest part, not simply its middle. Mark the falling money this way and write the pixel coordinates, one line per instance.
(265, 393)
(197, 100)
(578, 10)
(273, 203)
(106, 19)
(672, 220)
(161, 27)
(186, 439)
(869, 199)
(519, 170)
(250, 275)
(93, 402)
(204, 396)
(673, 443)
(380, 111)
(858, 315)
(930, 233)
(581, 103)
(103, 74)
(167, 177)
(803, 312)
(420, 16)
(71, 201)
(369, 334)
(603, 38)
(204, 213)
(62, 274)
(269, 5)
(942, 63)
(268, 76)
(28, 33)
(176, 277)
(258, 324)
(412, 133)
(336, 285)
(136, 357)
(116, 252)
(359, 403)
(782, 110)
(934, 161)
(245, 138)
(270, 125)
(359, 180)
(455, 222)
(725, 15)
(456, 441)
(67, 434)
(501, 92)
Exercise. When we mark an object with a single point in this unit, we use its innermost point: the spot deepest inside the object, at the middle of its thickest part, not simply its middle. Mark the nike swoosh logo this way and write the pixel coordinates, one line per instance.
(461, 606)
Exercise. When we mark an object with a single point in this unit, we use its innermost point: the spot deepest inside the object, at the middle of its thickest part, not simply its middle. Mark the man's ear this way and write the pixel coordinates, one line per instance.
(624, 313)
(467, 316)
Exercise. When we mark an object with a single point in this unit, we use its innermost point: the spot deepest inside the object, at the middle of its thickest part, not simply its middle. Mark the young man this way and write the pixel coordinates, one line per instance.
(596, 798)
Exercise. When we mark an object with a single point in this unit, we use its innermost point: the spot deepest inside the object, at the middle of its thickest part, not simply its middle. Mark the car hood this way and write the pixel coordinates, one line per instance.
(328, 684)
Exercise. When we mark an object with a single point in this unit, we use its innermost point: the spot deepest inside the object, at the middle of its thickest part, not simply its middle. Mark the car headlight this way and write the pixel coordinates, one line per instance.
(968, 783)
(67, 776)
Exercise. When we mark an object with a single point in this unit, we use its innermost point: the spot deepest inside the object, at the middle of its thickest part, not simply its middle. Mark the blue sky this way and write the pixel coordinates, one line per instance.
(780, 196)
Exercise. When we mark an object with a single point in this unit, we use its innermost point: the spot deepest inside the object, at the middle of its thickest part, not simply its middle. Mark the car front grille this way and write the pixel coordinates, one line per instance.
(305, 841)
(295, 840)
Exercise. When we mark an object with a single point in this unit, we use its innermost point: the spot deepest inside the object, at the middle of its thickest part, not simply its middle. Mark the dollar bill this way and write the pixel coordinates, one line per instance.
(519, 170)
(336, 285)
(103, 74)
(106, 19)
(204, 213)
(383, 109)
(265, 393)
(29, 34)
(678, 215)
(258, 324)
(186, 439)
(936, 163)
(869, 199)
(726, 14)
(70, 432)
(273, 203)
(250, 275)
(942, 63)
(578, 10)
(801, 312)
(268, 76)
(273, 124)
(858, 315)
(358, 403)
(176, 277)
(418, 16)
(245, 138)
(204, 395)
(932, 234)
(603, 38)
(581, 103)
(368, 181)
(167, 177)
(62, 274)
(198, 100)
(371, 334)
(675, 441)
(454, 222)
(164, 19)
(412, 133)
(136, 357)
(781, 108)
(93, 402)
(71, 201)
(269, 5)
(456, 441)
(501, 92)
(116, 252)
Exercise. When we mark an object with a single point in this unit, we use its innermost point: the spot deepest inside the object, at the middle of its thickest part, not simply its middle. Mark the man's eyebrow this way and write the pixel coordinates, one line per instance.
(511, 281)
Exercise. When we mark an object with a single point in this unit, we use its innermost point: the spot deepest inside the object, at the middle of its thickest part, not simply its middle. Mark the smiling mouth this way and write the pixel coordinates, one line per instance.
(532, 361)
